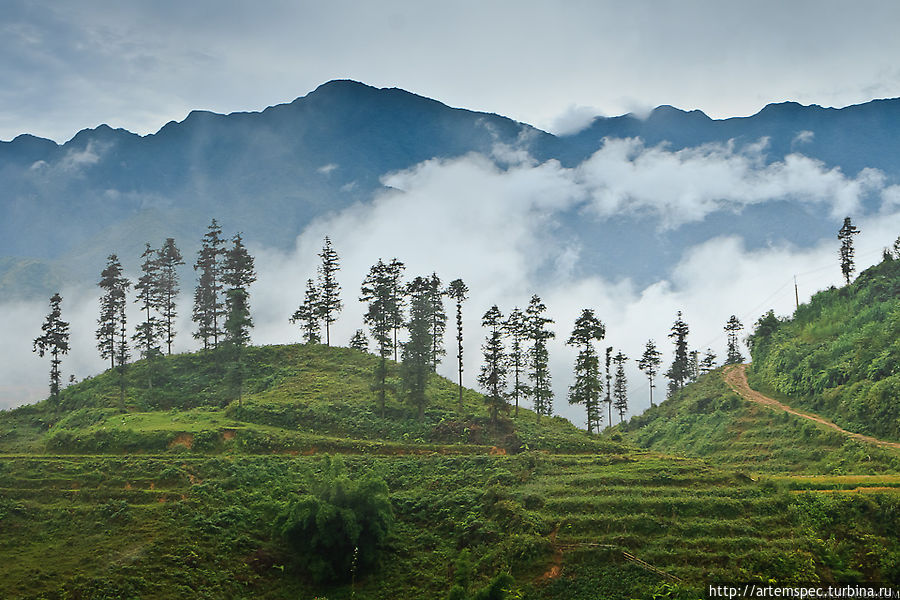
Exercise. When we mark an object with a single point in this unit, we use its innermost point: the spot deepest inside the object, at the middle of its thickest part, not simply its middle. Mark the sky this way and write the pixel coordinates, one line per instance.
(137, 65)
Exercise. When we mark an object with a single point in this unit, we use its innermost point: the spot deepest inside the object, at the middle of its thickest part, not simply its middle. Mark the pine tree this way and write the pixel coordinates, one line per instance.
(609, 384)
(55, 340)
(359, 341)
(493, 372)
(169, 260)
(329, 301)
(620, 387)
(417, 351)
(649, 364)
(845, 235)
(395, 271)
(237, 275)
(538, 334)
(378, 291)
(515, 327)
(308, 315)
(708, 363)
(679, 372)
(437, 318)
(587, 387)
(693, 365)
(112, 310)
(458, 290)
(208, 311)
(733, 354)
(149, 295)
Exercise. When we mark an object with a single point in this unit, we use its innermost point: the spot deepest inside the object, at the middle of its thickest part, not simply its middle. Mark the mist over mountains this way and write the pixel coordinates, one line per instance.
(679, 178)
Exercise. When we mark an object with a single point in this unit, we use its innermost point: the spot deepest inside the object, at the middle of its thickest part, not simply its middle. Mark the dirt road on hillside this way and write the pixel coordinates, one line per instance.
(736, 377)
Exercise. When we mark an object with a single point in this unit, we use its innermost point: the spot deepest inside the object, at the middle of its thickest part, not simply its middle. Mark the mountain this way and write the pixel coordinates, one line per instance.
(270, 173)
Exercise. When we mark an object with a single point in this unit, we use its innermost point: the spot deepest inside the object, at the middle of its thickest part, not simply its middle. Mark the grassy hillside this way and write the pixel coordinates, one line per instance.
(296, 398)
(568, 527)
(708, 420)
(839, 355)
(178, 491)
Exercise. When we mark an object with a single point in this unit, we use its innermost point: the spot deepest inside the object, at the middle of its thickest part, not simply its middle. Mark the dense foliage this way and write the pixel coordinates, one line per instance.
(340, 528)
(840, 354)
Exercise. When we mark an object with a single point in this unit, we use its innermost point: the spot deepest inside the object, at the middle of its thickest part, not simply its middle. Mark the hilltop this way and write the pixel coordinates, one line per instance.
(296, 398)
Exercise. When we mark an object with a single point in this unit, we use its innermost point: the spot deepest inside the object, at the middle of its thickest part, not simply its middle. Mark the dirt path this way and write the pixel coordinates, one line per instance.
(736, 377)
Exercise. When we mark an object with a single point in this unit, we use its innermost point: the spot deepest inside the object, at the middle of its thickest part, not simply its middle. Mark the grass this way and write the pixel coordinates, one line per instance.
(708, 420)
(562, 525)
(169, 496)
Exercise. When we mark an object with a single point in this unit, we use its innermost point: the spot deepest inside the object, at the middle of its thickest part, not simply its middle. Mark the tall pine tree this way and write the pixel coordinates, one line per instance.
(458, 291)
(55, 340)
(539, 374)
(609, 385)
(148, 332)
(516, 330)
(649, 364)
(620, 387)
(237, 275)
(494, 370)
(437, 318)
(329, 301)
(398, 300)
(845, 235)
(112, 310)
(417, 351)
(208, 312)
(733, 354)
(679, 372)
(379, 293)
(169, 260)
(587, 387)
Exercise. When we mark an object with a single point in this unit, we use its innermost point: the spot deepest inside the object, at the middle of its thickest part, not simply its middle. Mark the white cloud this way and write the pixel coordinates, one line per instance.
(574, 119)
(684, 186)
(499, 230)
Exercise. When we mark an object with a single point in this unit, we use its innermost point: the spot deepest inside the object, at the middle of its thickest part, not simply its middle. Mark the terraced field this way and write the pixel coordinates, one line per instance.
(565, 526)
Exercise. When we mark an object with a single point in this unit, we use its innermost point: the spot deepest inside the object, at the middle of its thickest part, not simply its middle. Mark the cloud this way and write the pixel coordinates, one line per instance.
(504, 231)
(574, 119)
(684, 186)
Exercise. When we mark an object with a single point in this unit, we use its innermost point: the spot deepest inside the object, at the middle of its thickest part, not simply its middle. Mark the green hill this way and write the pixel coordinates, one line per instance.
(296, 398)
(709, 420)
(178, 492)
(839, 355)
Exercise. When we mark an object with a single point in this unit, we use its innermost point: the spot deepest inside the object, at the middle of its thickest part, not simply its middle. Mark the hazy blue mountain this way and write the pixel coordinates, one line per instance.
(66, 206)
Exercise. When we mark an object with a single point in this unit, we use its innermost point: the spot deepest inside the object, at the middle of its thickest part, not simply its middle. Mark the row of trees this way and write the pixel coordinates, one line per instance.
(515, 353)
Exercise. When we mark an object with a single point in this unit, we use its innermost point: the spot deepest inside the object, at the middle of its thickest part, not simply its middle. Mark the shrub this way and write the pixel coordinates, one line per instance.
(341, 527)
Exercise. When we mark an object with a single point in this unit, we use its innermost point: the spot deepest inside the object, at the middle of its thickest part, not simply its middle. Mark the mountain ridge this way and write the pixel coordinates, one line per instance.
(275, 170)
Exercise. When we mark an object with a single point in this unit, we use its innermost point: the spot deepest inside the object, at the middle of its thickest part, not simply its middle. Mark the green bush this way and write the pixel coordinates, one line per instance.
(341, 526)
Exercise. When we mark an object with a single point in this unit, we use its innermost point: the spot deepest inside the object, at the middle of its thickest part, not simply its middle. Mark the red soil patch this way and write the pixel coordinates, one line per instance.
(228, 434)
(183, 439)
(495, 451)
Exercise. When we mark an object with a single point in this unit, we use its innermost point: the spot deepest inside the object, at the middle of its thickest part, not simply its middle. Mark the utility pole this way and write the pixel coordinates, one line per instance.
(796, 293)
